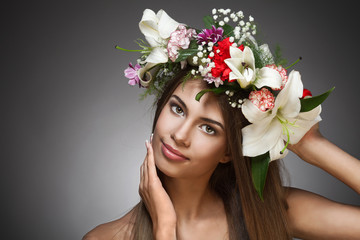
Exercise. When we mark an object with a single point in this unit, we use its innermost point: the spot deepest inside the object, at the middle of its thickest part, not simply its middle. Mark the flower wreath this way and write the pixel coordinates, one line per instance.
(279, 109)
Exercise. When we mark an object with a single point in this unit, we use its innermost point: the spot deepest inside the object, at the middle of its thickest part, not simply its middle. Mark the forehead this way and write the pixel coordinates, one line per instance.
(208, 103)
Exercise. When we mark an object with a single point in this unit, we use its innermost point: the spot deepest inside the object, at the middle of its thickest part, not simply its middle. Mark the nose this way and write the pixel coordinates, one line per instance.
(182, 134)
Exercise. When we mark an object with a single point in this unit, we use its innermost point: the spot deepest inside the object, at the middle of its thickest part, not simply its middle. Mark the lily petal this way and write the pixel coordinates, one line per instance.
(236, 52)
(167, 25)
(268, 77)
(252, 112)
(275, 151)
(259, 138)
(310, 115)
(249, 57)
(288, 100)
(149, 24)
(145, 75)
(300, 128)
(157, 55)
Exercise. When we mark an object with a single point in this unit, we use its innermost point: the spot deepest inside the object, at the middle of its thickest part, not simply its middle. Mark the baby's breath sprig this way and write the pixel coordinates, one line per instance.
(242, 28)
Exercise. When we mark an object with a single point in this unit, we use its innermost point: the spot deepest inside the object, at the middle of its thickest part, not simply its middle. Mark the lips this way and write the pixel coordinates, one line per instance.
(172, 153)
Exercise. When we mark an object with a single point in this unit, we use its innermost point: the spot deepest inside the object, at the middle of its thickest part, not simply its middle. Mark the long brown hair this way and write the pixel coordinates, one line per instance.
(247, 215)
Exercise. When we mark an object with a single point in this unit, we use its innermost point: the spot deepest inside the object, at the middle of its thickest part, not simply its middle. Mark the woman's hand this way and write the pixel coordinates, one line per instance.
(317, 150)
(156, 199)
(313, 135)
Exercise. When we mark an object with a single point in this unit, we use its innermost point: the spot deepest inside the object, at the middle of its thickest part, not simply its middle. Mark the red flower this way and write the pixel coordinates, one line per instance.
(306, 93)
(222, 52)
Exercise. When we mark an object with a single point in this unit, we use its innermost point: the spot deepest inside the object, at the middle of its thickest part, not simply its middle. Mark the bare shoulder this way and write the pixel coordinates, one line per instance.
(119, 229)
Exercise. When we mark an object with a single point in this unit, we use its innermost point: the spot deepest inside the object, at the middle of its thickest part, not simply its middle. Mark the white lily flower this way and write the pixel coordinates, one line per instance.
(157, 29)
(273, 129)
(242, 65)
(145, 74)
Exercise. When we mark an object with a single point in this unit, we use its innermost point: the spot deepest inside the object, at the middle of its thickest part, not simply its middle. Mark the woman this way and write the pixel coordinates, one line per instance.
(197, 181)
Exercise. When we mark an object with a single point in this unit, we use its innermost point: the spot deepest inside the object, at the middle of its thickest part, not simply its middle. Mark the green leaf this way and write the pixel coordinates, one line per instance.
(214, 90)
(185, 53)
(259, 168)
(208, 22)
(228, 30)
(308, 104)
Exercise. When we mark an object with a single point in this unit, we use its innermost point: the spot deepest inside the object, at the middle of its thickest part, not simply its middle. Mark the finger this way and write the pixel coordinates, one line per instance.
(141, 185)
(151, 162)
(146, 160)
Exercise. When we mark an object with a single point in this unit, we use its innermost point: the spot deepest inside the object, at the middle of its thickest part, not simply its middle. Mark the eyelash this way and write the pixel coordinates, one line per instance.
(176, 109)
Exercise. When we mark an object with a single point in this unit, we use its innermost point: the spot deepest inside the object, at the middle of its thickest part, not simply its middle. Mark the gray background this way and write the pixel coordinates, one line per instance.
(72, 130)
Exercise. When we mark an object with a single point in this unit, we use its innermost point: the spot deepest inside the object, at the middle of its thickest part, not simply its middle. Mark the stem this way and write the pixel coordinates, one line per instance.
(288, 139)
(128, 50)
(286, 130)
(294, 63)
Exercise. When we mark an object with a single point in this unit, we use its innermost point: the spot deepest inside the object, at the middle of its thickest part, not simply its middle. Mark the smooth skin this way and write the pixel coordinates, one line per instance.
(179, 205)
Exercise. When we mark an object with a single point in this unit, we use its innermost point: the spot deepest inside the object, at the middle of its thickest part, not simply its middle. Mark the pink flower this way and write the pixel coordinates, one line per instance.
(283, 73)
(263, 99)
(179, 39)
(132, 74)
(216, 80)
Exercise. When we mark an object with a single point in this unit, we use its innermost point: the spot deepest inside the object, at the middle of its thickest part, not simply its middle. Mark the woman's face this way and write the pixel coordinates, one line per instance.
(189, 138)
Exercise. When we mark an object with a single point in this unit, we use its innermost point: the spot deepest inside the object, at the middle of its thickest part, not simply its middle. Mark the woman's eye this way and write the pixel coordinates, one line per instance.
(207, 129)
(177, 110)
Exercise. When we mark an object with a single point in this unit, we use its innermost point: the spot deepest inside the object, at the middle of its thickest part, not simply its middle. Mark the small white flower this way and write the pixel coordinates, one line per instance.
(215, 17)
(251, 18)
(240, 14)
(226, 19)
(200, 54)
(200, 48)
(242, 23)
(232, 15)
(231, 39)
(214, 11)
(193, 72)
(211, 54)
(221, 23)
(210, 44)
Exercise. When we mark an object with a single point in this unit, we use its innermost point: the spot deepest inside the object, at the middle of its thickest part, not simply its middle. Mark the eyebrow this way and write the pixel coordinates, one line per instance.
(202, 118)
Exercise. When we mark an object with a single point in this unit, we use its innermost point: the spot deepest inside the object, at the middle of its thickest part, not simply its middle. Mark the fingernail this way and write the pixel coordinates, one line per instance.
(146, 143)
(151, 137)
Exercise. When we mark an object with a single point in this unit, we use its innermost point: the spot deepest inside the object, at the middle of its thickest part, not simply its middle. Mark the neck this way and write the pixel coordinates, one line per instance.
(191, 198)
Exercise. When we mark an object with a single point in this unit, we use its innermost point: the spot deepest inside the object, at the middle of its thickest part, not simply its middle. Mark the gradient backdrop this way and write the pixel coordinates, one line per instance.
(73, 131)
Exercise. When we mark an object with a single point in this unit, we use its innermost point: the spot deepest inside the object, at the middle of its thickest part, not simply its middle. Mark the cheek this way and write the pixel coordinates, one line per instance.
(209, 149)
(163, 124)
